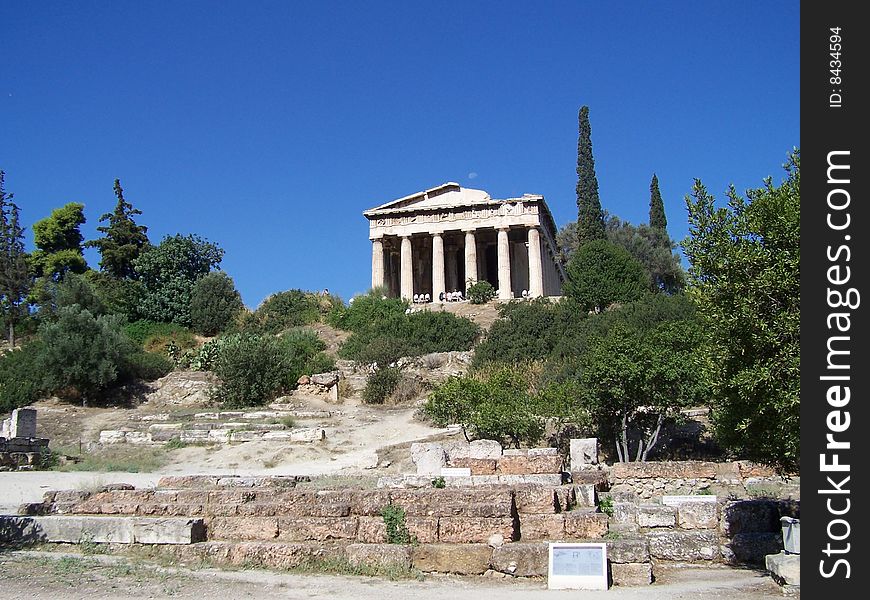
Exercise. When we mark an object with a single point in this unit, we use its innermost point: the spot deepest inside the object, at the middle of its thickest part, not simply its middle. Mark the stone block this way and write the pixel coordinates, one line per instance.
(311, 434)
(521, 559)
(784, 568)
(369, 503)
(689, 469)
(631, 574)
(684, 546)
(536, 500)
(542, 452)
(566, 498)
(242, 528)
(317, 528)
(471, 530)
(379, 555)
(138, 437)
(550, 479)
(463, 559)
(23, 423)
(245, 436)
(168, 531)
(656, 515)
(515, 452)
(628, 550)
(751, 548)
(486, 449)
(429, 458)
(478, 466)
(625, 512)
(454, 502)
(598, 478)
(695, 512)
(584, 495)
(585, 524)
(373, 530)
(751, 470)
(112, 436)
(529, 465)
(193, 436)
(326, 379)
(542, 527)
(583, 452)
(750, 516)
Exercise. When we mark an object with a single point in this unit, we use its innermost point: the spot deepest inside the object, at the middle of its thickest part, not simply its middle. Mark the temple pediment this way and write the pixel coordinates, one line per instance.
(447, 195)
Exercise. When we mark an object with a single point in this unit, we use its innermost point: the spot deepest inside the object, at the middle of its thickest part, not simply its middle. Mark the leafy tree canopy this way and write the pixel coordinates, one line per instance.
(168, 273)
(601, 273)
(745, 279)
(15, 279)
(214, 304)
(58, 241)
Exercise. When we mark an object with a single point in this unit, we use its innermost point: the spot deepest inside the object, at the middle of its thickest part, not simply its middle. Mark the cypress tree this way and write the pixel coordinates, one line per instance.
(14, 271)
(124, 239)
(657, 218)
(590, 217)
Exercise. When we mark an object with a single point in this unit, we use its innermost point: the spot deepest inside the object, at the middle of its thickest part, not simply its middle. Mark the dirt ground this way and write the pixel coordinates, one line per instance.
(67, 577)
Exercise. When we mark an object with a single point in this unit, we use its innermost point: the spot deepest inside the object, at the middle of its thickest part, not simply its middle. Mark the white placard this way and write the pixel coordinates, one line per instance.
(455, 471)
(677, 500)
(580, 566)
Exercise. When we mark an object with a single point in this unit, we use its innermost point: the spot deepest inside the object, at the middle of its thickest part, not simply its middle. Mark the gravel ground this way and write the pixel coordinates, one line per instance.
(59, 576)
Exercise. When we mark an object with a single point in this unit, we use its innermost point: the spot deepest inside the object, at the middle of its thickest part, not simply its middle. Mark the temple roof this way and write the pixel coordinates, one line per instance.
(446, 195)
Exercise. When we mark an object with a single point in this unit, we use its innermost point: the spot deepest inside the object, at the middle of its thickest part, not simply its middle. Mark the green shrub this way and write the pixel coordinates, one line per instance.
(480, 292)
(601, 273)
(293, 308)
(381, 384)
(214, 303)
(255, 369)
(142, 331)
(368, 311)
(148, 365)
(527, 331)
(439, 332)
(203, 358)
(439, 483)
(20, 378)
(252, 371)
(82, 355)
(498, 405)
(397, 529)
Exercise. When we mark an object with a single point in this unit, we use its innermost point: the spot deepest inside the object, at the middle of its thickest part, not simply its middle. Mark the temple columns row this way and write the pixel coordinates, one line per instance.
(536, 271)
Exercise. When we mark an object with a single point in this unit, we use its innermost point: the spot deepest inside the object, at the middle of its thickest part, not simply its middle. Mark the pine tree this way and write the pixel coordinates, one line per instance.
(657, 218)
(590, 217)
(123, 239)
(14, 272)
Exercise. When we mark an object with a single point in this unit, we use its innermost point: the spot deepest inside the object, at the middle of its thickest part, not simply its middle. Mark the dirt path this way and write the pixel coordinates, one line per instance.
(68, 577)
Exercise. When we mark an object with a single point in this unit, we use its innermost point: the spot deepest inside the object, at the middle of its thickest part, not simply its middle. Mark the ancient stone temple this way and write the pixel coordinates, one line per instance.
(440, 239)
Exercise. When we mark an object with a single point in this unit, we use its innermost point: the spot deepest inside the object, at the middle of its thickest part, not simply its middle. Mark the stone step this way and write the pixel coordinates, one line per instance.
(104, 530)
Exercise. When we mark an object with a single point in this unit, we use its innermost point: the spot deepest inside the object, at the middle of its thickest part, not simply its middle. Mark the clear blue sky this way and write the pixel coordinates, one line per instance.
(268, 127)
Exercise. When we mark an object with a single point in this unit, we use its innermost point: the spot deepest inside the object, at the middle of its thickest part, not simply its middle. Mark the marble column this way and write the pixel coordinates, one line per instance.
(536, 273)
(437, 266)
(504, 266)
(407, 274)
(470, 257)
(378, 263)
(452, 269)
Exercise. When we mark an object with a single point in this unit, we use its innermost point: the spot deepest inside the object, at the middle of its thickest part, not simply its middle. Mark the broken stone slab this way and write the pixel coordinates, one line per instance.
(584, 495)
(656, 515)
(478, 466)
(192, 436)
(521, 559)
(278, 436)
(631, 574)
(326, 379)
(583, 451)
(683, 545)
(221, 436)
(784, 568)
(429, 457)
(379, 555)
(694, 512)
(313, 434)
(138, 437)
(490, 449)
(104, 530)
(625, 512)
(162, 427)
(112, 436)
(245, 436)
(529, 465)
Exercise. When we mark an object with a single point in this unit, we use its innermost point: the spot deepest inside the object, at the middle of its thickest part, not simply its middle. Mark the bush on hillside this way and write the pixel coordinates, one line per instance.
(480, 292)
(214, 303)
(255, 369)
(20, 380)
(601, 273)
(381, 384)
(285, 310)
